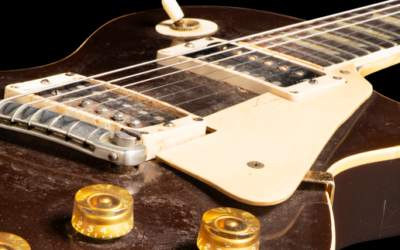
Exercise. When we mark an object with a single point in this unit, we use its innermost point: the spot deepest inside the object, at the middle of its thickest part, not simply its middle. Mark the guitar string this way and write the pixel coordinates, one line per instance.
(357, 31)
(175, 105)
(227, 42)
(275, 45)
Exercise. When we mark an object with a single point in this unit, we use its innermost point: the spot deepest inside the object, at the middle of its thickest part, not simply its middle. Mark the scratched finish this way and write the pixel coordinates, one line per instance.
(39, 178)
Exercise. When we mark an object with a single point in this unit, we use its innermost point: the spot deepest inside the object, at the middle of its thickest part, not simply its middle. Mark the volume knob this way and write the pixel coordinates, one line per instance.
(228, 228)
(12, 242)
(103, 211)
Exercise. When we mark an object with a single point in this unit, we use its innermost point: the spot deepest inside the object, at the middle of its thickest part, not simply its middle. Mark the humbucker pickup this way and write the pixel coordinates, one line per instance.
(250, 67)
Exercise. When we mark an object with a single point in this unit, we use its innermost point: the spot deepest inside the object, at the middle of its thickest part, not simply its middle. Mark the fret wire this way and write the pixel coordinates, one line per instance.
(347, 44)
(372, 35)
(319, 51)
(227, 42)
(331, 47)
(146, 90)
(354, 38)
(374, 27)
(300, 52)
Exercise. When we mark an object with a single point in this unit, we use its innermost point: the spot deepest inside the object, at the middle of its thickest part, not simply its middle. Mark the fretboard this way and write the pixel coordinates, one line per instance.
(336, 39)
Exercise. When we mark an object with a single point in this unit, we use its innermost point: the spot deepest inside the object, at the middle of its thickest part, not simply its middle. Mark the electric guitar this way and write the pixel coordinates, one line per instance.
(168, 203)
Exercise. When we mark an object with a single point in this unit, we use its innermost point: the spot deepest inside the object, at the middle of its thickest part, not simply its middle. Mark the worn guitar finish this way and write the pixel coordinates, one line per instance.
(39, 178)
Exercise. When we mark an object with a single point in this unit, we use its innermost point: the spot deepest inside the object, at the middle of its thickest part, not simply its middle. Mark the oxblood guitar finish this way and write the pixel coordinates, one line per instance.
(39, 179)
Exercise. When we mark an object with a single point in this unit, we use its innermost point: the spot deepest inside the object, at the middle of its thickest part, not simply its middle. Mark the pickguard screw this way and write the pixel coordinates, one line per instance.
(198, 119)
(169, 124)
(45, 82)
(112, 156)
(237, 52)
(118, 116)
(189, 45)
(345, 72)
(313, 81)
(294, 91)
(102, 110)
(337, 78)
(69, 74)
(209, 39)
(86, 103)
(255, 164)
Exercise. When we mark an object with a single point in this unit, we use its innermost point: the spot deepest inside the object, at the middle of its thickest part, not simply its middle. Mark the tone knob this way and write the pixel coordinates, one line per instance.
(228, 228)
(12, 242)
(103, 211)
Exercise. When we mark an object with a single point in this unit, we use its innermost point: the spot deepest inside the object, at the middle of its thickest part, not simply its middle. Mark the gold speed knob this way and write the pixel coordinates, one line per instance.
(12, 242)
(228, 228)
(103, 212)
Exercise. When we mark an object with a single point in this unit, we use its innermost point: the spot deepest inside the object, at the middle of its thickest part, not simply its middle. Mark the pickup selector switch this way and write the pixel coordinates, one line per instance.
(103, 212)
(228, 228)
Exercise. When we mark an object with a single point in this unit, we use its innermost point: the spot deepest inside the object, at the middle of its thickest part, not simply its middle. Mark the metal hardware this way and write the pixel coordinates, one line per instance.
(345, 72)
(294, 91)
(135, 123)
(189, 45)
(185, 25)
(313, 81)
(123, 139)
(169, 124)
(268, 63)
(55, 92)
(81, 133)
(69, 74)
(255, 164)
(283, 68)
(159, 118)
(252, 57)
(86, 103)
(45, 82)
(237, 52)
(322, 178)
(112, 156)
(337, 77)
(118, 116)
(198, 119)
(223, 47)
(209, 39)
(298, 73)
(102, 110)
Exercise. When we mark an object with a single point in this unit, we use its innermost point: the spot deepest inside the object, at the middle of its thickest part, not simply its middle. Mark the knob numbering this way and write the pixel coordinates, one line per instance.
(103, 212)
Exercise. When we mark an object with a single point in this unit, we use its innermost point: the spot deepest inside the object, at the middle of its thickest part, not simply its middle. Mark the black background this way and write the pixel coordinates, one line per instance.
(34, 34)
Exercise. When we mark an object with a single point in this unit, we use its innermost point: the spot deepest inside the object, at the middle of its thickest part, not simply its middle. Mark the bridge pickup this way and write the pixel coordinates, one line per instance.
(252, 68)
(71, 132)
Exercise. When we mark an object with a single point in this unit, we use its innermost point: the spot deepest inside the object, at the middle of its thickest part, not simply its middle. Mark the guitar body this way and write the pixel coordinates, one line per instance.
(39, 178)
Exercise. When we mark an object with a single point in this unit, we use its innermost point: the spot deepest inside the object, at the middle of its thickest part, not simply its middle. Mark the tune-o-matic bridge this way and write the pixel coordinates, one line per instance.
(83, 136)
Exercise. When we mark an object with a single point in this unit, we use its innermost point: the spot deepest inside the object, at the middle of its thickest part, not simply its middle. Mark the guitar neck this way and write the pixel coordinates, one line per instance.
(337, 39)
